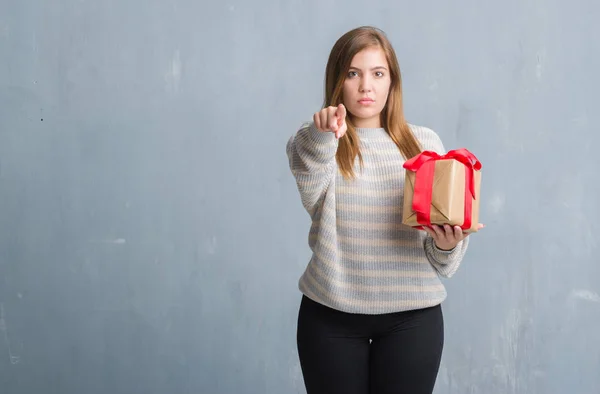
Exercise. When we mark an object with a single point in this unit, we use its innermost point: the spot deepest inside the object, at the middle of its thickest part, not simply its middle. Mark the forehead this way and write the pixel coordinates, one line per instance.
(369, 57)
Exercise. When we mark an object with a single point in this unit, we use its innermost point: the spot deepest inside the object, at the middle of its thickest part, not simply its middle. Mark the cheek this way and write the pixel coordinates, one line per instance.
(384, 91)
(347, 94)
(347, 88)
(384, 87)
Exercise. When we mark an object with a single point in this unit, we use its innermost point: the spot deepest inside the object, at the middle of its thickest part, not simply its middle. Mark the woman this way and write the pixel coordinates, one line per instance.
(370, 319)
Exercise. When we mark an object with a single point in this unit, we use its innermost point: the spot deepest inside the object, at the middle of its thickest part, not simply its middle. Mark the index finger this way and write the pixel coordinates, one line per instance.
(341, 111)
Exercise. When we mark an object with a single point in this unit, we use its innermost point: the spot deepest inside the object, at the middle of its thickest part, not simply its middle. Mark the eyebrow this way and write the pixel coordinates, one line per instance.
(374, 68)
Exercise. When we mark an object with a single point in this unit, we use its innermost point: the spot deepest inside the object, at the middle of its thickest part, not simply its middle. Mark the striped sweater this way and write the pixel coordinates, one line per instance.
(363, 259)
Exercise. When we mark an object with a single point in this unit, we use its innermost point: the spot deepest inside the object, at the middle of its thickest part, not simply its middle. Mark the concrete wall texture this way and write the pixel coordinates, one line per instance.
(152, 236)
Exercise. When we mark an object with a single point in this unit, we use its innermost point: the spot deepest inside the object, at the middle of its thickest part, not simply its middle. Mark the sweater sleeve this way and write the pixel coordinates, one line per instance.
(446, 262)
(311, 155)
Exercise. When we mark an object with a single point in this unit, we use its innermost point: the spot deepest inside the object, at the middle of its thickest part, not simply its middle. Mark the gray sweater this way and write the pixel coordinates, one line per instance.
(364, 260)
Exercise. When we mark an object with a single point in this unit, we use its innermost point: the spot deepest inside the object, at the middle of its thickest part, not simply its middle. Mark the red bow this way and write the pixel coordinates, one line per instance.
(424, 166)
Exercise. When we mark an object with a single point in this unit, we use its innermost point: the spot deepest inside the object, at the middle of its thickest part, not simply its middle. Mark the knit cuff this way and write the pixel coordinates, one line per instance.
(320, 137)
(442, 257)
(442, 251)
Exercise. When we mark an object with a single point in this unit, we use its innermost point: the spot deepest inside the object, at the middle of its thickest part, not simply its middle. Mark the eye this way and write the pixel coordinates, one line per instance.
(379, 73)
(351, 74)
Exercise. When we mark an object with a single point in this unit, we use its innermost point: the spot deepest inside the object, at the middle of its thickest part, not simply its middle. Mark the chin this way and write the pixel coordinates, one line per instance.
(364, 115)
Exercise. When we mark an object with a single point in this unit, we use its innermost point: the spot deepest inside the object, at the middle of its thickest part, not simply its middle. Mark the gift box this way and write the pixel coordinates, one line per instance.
(442, 189)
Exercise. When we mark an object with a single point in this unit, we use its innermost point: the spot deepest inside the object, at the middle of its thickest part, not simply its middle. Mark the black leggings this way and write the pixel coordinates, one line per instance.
(369, 354)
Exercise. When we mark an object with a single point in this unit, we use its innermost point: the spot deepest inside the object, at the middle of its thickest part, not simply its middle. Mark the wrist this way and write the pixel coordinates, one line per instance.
(444, 248)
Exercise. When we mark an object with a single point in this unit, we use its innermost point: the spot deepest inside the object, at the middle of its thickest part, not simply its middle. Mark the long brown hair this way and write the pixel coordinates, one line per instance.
(392, 116)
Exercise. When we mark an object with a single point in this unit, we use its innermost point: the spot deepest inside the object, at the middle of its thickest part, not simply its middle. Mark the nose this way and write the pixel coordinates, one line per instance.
(365, 85)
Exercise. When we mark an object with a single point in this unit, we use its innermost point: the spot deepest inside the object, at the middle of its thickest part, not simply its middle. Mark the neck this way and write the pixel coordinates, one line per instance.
(371, 123)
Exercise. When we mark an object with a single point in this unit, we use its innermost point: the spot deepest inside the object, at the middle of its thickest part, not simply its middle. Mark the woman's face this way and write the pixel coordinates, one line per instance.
(366, 87)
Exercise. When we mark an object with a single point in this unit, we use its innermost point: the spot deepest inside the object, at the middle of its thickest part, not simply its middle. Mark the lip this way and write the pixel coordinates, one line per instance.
(366, 100)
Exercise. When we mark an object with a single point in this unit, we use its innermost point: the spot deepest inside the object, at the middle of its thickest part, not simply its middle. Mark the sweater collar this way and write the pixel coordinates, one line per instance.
(372, 134)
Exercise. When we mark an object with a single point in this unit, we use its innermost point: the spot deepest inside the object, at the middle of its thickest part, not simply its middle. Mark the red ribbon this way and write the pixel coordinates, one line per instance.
(424, 166)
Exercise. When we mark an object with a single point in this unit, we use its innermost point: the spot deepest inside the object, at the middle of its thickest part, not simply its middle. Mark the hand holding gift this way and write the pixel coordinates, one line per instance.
(441, 195)
(446, 237)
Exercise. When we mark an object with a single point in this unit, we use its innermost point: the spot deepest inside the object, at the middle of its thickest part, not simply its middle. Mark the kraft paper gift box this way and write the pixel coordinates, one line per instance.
(442, 189)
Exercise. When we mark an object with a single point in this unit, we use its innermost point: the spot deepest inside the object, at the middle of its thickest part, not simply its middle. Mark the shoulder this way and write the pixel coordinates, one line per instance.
(428, 138)
(423, 132)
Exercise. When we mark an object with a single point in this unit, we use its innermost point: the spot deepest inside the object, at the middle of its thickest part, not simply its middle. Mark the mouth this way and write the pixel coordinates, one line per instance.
(366, 101)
